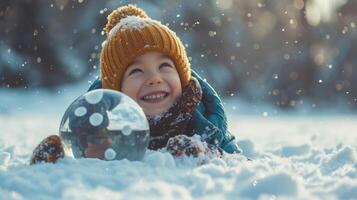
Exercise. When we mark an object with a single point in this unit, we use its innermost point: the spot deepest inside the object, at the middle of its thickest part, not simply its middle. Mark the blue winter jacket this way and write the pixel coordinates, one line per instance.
(209, 119)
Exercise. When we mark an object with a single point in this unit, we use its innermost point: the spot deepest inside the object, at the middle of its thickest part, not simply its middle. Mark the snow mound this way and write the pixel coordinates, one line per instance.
(291, 158)
(275, 184)
(342, 159)
(288, 151)
(248, 148)
(160, 175)
(158, 159)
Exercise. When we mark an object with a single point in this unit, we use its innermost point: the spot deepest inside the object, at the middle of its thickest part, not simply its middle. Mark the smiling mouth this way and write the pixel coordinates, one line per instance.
(155, 97)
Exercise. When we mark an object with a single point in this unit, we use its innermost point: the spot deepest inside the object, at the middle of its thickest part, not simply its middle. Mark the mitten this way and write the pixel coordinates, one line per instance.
(190, 146)
(49, 150)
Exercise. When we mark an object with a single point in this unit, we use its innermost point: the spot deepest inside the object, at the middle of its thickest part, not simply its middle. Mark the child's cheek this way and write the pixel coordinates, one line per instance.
(131, 88)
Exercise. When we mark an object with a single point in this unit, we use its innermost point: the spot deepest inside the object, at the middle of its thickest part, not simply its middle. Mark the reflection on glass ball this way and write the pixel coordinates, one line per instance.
(105, 124)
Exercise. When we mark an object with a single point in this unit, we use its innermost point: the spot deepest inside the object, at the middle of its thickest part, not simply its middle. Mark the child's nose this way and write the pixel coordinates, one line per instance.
(154, 79)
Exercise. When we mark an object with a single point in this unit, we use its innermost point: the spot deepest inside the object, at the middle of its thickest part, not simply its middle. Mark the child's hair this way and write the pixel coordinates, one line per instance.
(130, 33)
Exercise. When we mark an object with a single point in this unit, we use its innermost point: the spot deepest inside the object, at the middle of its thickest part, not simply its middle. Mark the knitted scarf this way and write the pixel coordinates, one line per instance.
(174, 122)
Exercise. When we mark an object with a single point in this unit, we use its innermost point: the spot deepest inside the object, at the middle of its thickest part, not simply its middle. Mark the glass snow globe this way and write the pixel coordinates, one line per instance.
(105, 124)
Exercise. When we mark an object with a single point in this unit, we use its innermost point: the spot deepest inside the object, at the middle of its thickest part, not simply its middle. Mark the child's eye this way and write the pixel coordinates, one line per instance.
(136, 70)
(165, 64)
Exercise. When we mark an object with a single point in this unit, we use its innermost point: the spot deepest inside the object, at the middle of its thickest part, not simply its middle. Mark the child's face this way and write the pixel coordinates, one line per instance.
(153, 82)
(96, 146)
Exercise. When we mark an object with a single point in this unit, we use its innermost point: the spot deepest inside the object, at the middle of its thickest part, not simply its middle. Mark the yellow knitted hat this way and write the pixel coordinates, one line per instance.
(131, 33)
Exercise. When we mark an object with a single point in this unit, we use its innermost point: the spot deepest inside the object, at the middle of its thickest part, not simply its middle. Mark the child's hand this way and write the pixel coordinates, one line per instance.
(183, 145)
(49, 150)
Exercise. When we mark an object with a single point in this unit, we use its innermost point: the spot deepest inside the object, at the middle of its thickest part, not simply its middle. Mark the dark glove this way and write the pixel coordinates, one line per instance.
(183, 145)
(48, 151)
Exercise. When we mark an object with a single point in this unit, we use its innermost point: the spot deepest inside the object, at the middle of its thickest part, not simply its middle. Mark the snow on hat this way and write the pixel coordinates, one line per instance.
(131, 33)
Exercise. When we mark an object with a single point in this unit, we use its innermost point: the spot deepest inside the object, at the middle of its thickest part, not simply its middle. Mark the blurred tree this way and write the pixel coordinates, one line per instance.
(289, 53)
(45, 43)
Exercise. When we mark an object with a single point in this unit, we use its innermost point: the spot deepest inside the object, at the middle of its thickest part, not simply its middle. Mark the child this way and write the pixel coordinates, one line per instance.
(147, 61)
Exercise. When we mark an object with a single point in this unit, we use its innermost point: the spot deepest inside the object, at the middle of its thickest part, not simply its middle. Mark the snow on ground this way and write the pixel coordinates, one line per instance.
(305, 157)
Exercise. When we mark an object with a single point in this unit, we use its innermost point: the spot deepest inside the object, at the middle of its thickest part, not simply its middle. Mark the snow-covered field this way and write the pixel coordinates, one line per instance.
(311, 157)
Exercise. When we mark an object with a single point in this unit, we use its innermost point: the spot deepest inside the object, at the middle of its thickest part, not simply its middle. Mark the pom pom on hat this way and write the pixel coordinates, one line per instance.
(120, 13)
(131, 33)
